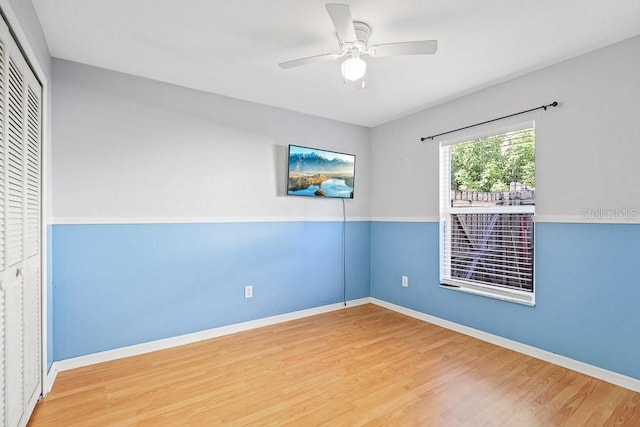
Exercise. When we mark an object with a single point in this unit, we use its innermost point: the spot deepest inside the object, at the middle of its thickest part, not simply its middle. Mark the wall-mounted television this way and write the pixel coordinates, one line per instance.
(320, 173)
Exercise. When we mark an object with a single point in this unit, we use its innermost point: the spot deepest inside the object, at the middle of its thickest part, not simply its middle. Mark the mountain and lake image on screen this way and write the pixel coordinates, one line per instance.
(320, 173)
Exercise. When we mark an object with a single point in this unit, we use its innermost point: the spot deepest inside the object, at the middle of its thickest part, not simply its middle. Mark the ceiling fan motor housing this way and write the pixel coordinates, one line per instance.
(361, 44)
(363, 31)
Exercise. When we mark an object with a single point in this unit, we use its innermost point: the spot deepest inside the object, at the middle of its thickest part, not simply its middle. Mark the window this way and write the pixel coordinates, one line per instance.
(487, 206)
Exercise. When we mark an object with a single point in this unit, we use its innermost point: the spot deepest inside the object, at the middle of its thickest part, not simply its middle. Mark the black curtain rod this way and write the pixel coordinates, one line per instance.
(543, 107)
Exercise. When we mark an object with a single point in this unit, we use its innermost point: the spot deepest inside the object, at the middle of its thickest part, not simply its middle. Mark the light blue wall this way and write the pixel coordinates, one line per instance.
(587, 289)
(119, 285)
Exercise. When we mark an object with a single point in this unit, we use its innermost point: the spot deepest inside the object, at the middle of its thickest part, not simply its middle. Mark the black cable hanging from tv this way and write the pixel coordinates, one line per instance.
(344, 254)
(542, 107)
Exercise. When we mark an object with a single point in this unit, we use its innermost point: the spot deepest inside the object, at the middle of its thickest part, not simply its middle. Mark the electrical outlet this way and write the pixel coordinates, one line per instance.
(248, 291)
(405, 281)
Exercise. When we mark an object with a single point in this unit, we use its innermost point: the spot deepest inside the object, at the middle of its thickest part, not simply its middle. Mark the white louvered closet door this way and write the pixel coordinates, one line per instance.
(20, 300)
(3, 283)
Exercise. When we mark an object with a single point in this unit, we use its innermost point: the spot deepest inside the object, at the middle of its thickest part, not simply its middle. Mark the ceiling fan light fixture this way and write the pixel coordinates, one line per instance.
(353, 68)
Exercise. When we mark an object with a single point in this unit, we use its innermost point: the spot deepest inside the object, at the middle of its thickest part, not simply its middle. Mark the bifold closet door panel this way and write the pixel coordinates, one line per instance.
(31, 300)
(3, 284)
(20, 231)
(14, 227)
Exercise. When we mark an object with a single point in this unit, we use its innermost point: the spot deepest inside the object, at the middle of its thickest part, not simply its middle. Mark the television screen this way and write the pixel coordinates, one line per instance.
(320, 173)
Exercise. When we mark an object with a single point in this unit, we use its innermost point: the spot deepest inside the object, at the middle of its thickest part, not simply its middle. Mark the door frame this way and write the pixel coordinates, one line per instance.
(15, 27)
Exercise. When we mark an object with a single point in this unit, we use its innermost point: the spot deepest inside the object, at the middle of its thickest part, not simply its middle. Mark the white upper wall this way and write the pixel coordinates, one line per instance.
(128, 148)
(587, 148)
(30, 23)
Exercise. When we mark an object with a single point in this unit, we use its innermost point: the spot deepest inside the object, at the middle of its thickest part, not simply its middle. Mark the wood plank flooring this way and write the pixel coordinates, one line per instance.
(364, 365)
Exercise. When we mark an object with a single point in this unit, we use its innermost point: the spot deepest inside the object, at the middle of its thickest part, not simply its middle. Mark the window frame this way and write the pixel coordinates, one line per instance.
(446, 211)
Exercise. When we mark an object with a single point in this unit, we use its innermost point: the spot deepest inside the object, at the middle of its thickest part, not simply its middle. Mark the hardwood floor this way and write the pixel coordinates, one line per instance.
(364, 365)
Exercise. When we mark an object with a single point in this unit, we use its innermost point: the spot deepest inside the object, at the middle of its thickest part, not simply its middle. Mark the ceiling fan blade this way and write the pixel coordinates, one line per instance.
(341, 17)
(309, 60)
(423, 47)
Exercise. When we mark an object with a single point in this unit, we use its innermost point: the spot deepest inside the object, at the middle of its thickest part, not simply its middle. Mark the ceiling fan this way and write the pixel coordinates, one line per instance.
(353, 41)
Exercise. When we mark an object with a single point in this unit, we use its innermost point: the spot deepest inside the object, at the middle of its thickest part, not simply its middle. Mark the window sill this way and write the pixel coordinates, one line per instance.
(524, 298)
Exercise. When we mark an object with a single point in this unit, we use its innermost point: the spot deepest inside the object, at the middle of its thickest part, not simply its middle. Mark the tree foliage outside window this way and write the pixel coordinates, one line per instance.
(490, 164)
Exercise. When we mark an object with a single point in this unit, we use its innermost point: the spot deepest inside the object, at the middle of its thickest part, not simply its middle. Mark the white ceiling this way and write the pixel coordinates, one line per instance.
(233, 47)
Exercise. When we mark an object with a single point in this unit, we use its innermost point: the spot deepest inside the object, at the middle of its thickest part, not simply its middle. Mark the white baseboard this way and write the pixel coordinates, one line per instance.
(134, 350)
(49, 379)
(575, 365)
